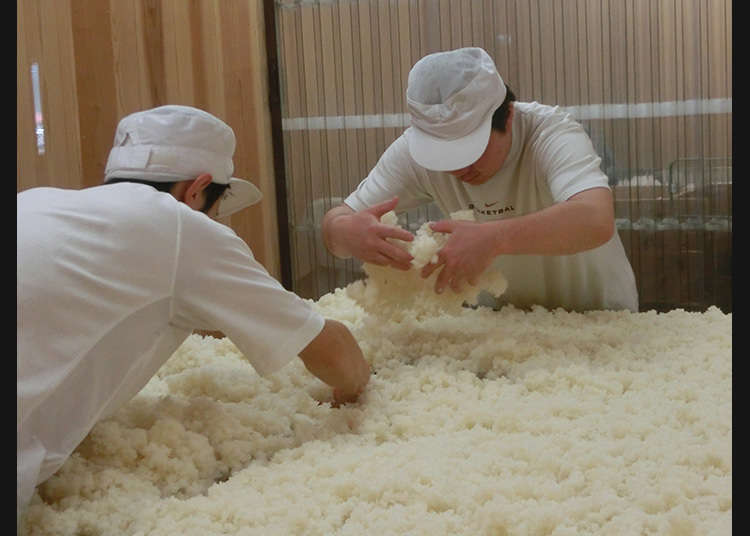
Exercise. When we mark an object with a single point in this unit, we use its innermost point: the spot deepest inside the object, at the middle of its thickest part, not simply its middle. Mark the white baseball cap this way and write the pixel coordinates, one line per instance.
(176, 143)
(451, 97)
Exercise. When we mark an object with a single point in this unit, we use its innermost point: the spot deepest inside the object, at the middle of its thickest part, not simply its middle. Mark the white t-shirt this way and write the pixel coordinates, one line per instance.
(110, 281)
(551, 158)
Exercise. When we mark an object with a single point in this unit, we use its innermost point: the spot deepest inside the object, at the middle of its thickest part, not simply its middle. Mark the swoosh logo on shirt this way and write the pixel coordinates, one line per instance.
(488, 205)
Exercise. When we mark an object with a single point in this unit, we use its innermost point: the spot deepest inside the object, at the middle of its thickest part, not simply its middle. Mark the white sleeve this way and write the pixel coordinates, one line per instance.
(396, 173)
(219, 285)
(567, 158)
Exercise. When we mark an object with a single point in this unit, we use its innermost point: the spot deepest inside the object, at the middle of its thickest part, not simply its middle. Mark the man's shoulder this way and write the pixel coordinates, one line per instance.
(535, 111)
(398, 150)
(540, 123)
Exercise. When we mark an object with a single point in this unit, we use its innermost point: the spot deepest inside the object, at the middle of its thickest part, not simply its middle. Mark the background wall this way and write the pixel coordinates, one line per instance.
(649, 80)
(99, 60)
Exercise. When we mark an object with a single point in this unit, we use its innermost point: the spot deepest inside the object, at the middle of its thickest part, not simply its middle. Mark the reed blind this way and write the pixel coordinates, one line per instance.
(649, 81)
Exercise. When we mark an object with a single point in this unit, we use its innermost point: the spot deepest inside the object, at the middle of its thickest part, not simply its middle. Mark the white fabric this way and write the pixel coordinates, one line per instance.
(551, 158)
(110, 281)
(175, 143)
(451, 97)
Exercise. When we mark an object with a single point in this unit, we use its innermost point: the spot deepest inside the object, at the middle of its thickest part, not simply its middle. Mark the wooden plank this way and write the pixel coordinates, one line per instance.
(721, 242)
(692, 48)
(260, 135)
(590, 47)
(154, 51)
(295, 143)
(369, 80)
(671, 266)
(666, 15)
(545, 35)
(330, 90)
(296, 152)
(719, 85)
(526, 88)
(405, 57)
(337, 148)
(31, 169)
(386, 68)
(726, 46)
(290, 75)
(477, 24)
(573, 26)
(557, 53)
(211, 57)
(650, 280)
(288, 62)
(129, 58)
(445, 26)
(242, 44)
(461, 13)
(498, 35)
(350, 83)
(314, 101)
(63, 93)
(358, 90)
(207, 55)
(178, 52)
(416, 31)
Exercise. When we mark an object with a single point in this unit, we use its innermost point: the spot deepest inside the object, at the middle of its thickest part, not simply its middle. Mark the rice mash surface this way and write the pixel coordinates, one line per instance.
(475, 422)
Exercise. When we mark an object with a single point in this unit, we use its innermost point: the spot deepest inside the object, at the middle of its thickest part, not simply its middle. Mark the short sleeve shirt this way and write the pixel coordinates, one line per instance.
(551, 159)
(110, 281)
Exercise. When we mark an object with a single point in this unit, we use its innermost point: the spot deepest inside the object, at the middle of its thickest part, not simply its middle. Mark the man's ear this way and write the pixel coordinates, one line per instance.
(193, 194)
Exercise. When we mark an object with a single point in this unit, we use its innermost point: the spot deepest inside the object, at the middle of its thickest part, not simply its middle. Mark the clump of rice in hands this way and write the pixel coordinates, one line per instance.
(398, 293)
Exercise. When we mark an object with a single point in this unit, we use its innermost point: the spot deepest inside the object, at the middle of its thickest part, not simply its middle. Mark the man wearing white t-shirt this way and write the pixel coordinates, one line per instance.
(112, 279)
(543, 208)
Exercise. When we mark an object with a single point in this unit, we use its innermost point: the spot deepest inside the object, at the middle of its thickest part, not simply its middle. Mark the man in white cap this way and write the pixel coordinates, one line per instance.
(112, 279)
(543, 207)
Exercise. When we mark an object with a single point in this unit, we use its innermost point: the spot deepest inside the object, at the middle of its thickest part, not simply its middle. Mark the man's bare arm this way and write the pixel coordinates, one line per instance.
(583, 222)
(347, 233)
(335, 358)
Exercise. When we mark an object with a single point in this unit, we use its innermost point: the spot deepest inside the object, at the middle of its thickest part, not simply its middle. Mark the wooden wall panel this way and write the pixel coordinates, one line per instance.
(101, 60)
(28, 44)
(97, 94)
(130, 53)
(45, 36)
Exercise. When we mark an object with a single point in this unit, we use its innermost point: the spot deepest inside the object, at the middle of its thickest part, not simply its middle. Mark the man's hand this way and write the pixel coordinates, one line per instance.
(360, 234)
(340, 398)
(335, 358)
(468, 252)
(585, 221)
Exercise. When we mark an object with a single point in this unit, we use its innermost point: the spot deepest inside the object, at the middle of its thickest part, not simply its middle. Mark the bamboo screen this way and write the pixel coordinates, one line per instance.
(649, 80)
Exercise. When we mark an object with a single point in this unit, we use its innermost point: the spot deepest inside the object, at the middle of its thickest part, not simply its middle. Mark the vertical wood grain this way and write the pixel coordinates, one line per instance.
(246, 105)
(96, 89)
(101, 60)
(30, 167)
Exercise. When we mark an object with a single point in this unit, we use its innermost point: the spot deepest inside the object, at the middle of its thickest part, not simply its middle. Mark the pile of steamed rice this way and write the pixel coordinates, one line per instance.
(476, 422)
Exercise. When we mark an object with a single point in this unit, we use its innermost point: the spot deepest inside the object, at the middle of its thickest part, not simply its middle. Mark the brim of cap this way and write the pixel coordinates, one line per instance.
(240, 194)
(438, 154)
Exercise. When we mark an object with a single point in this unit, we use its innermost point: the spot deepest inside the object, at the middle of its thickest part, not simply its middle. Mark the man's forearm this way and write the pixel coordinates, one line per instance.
(335, 358)
(332, 233)
(566, 228)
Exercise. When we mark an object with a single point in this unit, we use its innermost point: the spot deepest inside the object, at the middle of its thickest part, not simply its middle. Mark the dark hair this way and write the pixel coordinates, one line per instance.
(213, 191)
(500, 117)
